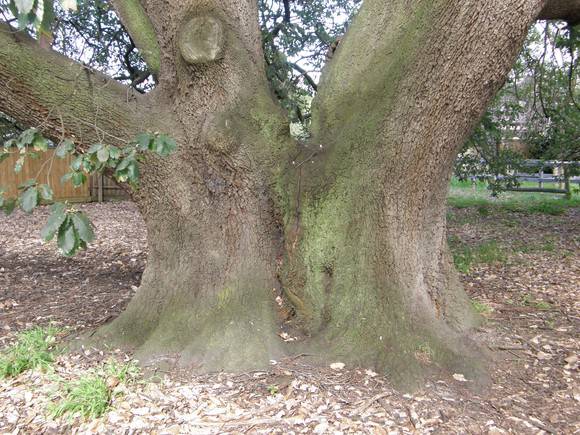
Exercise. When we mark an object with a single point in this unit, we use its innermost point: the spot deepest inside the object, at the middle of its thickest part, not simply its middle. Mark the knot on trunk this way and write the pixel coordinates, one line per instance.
(202, 39)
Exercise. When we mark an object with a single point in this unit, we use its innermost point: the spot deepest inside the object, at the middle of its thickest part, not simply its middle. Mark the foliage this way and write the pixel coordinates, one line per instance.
(480, 307)
(538, 106)
(91, 395)
(297, 37)
(72, 228)
(528, 300)
(33, 349)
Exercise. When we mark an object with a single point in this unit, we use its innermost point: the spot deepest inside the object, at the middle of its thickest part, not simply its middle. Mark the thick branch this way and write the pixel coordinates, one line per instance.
(137, 23)
(44, 89)
(568, 10)
(419, 75)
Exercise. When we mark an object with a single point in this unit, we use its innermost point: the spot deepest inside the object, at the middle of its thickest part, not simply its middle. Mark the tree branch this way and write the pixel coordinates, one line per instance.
(567, 10)
(411, 79)
(43, 89)
(304, 74)
(141, 30)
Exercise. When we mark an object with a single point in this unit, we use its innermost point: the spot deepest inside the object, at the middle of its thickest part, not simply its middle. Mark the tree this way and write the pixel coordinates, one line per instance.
(349, 226)
(537, 104)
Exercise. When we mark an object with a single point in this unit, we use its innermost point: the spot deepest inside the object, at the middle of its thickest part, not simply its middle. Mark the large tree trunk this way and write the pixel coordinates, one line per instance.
(369, 269)
(207, 296)
(358, 220)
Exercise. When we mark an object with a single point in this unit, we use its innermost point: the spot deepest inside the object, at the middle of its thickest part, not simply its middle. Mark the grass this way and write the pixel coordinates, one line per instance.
(528, 300)
(33, 349)
(480, 307)
(465, 195)
(465, 256)
(91, 395)
(547, 245)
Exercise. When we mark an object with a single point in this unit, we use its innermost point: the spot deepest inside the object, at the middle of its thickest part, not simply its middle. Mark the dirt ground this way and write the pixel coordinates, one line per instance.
(531, 302)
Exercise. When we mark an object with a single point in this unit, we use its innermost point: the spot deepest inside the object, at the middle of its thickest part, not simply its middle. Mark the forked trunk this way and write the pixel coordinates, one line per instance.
(369, 270)
(353, 230)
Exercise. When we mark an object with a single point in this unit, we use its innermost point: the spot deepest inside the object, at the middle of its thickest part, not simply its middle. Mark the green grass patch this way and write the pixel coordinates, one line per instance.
(91, 395)
(529, 301)
(547, 245)
(34, 348)
(480, 307)
(465, 256)
(466, 195)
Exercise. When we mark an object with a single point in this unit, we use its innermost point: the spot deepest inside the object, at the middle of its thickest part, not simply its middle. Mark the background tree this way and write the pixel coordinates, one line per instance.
(537, 105)
(349, 227)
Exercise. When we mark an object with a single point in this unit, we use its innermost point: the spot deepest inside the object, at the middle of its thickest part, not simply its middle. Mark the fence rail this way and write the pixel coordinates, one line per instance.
(561, 175)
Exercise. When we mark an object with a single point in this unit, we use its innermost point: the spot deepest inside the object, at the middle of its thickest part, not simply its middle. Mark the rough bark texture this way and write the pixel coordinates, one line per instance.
(44, 89)
(358, 218)
(370, 269)
(206, 298)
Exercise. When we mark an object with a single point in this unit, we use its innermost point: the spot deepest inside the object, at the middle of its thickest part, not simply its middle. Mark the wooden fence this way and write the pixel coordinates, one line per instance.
(49, 169)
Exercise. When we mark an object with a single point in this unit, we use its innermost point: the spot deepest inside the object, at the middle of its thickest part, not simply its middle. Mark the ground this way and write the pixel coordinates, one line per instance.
(520, 263)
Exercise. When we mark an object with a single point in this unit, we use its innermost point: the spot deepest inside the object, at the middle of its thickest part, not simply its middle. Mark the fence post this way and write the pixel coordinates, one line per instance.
(567, 182)
(100, 187)
(541, 175)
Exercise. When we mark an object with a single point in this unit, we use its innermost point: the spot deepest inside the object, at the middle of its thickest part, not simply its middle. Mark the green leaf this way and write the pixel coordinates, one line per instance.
(66, 177)
(29, 199)
(144, 141)
(83, 227)
(67, 239)
(46, 192)
(78, 179)
(114, 153)
(77, 163)
(40, 143)
(9, 205)
(27, 184)
(125, 163)
(103, 155)
(95, 148)
(64, 148)
(133, 172)
(55, 220)
(4, 155)
(26, 138)
(19, 164)
(164, 145)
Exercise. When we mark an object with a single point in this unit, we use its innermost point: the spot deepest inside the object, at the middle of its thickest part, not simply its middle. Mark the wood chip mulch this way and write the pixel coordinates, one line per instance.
(532, 328)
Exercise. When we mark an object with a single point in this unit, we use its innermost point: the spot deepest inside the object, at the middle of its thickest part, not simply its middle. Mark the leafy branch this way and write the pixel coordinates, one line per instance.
(72, 228)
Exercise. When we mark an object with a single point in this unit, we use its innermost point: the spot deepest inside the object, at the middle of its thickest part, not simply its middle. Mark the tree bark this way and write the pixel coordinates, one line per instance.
(369, 268)
(352, 227)
(206, 300)
(63, 98)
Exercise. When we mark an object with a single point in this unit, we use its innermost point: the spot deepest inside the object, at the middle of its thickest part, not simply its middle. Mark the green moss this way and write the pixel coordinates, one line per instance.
(137, 22)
